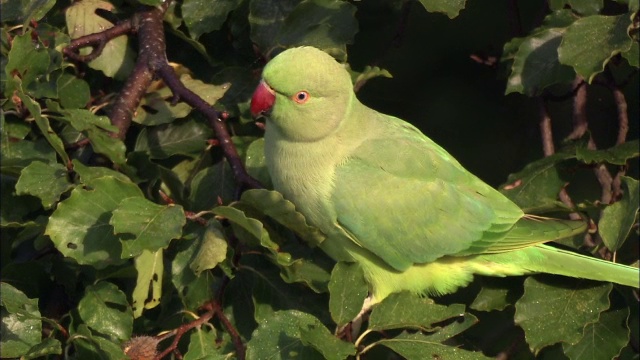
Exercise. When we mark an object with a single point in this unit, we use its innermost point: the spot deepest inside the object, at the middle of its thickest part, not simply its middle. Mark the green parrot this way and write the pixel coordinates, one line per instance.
(388, 197)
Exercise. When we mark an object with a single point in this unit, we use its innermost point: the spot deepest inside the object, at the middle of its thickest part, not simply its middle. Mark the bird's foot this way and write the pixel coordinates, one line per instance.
(354, 325)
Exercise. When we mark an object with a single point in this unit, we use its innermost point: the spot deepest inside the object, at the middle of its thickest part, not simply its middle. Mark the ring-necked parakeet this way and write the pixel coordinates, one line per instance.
(391, 199)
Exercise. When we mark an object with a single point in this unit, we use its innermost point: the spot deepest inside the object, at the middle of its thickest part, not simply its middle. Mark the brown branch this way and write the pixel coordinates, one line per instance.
(180, 331)
(623, 117)
(235, 336)
(580, 124)
(97, 41)
(151, 61)
(548, 149)
(171, 79)
(129, 98)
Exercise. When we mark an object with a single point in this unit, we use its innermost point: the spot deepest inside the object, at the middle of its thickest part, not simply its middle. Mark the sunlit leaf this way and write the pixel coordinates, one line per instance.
(105, 309)
(148, 290)
(117, 58)
(44, 181)
(153, 226)
(590, 42)
(21, 326)
(79, 227)
(451, 8)
(536, 65)
(212, 250)
(550, 314)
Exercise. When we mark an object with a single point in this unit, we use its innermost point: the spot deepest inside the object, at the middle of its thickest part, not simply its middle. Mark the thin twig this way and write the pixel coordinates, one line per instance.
(180, 331)
(97, 41)
(548, 149)
(235, 336)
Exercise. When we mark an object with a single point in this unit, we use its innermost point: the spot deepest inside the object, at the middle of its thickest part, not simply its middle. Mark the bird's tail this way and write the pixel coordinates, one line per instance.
(547, 259)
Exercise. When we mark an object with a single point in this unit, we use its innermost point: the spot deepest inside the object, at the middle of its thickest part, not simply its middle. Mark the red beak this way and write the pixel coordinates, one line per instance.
(262, 100)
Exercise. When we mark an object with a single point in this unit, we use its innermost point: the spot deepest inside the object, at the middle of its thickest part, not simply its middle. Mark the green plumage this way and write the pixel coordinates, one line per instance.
(393, 200)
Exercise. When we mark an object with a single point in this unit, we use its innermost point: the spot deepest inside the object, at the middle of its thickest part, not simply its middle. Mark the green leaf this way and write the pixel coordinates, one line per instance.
(536, 65)
(536, 187)
(83, 119)
(368, 73)
(552, 313)
(326, 24)
(104, 308)
(212, 249)
(44, 126)
(587, 7)
(117, 57)
(254, 232)
(13, 208)
(79, 227)
(184, 137)
(73, 92)
(603, 339)
(293, 334)
(27, 65)
(48, 346)
(104, 143)
(44, 181)
(17, 154)
(19, 11)
(314, 270)
(255, 162)
(89, 174)
(619, 219)
(590, 42)
(406, 310)
(633, 55)
(94, 346)
(202, 345)
(347, 289)
(495, 294)
(451, 8)
(193, 290)
(318, 337)
(212, 186)
(273, 204)
(152, 225)
(202, 17)
(618, 155)
(21, 326)
(266, 18)
(416, 346)
(261, 279)
(148, 290)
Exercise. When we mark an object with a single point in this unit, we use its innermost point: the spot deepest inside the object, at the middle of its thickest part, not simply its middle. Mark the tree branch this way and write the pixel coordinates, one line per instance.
(152, 61)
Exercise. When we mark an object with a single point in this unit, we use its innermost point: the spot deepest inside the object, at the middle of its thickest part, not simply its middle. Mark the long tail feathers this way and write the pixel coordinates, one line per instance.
(547, 259)
(569, 263)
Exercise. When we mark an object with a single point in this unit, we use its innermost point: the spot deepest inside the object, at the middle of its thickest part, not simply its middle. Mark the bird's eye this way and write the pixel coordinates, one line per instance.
(301, 97)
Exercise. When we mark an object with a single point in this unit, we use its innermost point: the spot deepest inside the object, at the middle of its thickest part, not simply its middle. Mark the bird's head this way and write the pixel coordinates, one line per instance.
(305, 93)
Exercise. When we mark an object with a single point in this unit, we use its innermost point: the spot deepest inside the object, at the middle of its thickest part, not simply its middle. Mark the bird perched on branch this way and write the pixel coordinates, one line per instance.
(390, 198)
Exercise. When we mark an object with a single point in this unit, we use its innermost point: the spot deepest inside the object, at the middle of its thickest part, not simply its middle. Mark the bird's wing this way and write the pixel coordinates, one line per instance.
(404, 198)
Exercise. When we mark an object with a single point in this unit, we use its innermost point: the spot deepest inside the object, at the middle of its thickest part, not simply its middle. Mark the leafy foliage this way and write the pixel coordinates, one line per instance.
(105, 239)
